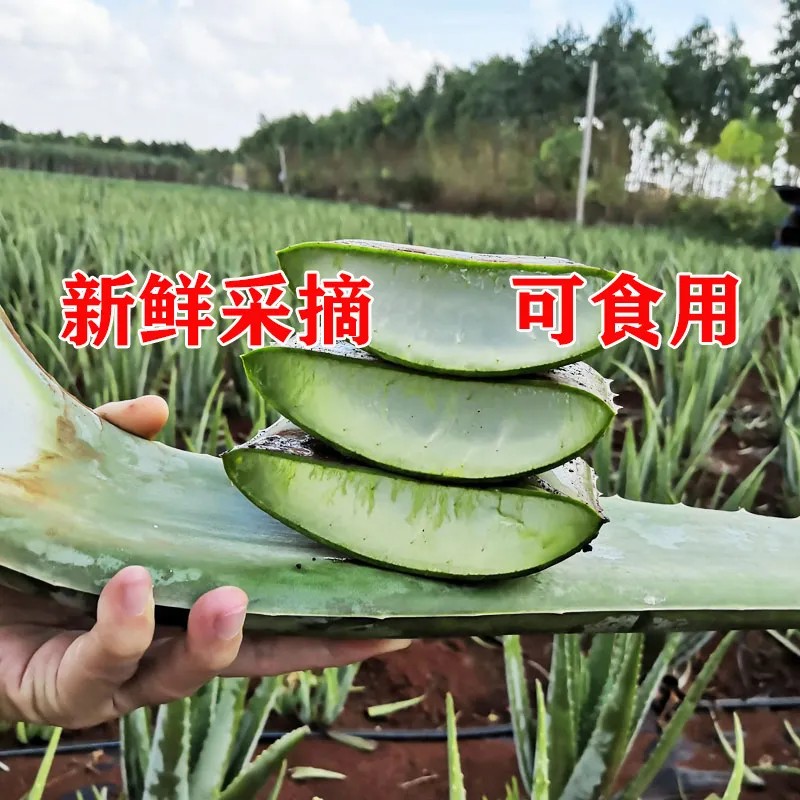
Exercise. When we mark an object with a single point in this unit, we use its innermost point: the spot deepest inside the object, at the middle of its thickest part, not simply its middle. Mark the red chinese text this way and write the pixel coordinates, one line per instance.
(338, 308)
(553, 311)
(257, 309)
(168, 307)
(712, 303)
(92, 307)
(627, 305)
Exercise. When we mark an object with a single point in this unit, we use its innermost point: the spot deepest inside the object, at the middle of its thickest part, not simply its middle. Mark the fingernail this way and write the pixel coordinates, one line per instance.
(391, 645)
(229, 625)
(136, 597)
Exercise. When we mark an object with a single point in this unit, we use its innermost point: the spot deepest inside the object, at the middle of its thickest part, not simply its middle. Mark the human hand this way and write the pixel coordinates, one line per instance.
(59, 668)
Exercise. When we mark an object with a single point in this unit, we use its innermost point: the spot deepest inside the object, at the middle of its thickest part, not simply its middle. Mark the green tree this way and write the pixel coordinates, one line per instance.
(786, 53)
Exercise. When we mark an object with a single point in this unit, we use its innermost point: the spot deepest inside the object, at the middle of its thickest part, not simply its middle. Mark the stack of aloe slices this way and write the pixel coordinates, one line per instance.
(450, 445)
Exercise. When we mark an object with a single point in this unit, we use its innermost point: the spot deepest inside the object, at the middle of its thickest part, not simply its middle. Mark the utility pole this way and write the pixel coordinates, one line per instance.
(283, 177)
(587, 143)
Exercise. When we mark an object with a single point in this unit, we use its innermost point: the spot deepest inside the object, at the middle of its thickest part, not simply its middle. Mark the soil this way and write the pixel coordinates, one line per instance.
(473, 671)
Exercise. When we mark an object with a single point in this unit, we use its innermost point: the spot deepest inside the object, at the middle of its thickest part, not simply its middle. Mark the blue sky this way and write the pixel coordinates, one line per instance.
(475, 29)
(202, 71)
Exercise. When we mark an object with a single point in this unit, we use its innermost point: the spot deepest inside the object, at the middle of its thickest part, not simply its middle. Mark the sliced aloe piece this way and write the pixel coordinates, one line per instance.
(433, 425)
(451, 311)
(417, 526)
(80, 499)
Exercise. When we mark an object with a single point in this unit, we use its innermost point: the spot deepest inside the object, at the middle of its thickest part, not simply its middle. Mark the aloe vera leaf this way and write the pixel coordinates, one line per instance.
(167, 776)
(43, 773)
(80, 499)
(734, 787)
(437, 529)
(341, 684)
(251, 781)
(671, 733)
(251, 725)
(134, 734)
(386, 709)
(519, 704)
(316, 773)
(204, 704)
(563, 715)
(541, 770)
(208, 776)
(450, 311)
(437, 426)
(597, 668)
(454, 771)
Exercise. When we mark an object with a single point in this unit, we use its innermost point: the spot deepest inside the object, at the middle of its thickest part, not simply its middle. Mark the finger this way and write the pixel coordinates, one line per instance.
(183, 665)
(98, 662)
(264, 656)
(145, 416)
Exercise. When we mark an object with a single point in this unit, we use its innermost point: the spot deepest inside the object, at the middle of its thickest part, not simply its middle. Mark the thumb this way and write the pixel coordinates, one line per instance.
(145, 416)
(101, 660)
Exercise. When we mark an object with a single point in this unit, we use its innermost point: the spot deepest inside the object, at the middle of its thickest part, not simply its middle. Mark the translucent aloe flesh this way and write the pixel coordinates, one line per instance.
(433, 425)
(426, 527)
(79, 499)
(452, 311)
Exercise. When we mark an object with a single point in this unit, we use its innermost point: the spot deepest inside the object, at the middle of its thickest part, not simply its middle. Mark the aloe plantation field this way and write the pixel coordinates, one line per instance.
(702, 425)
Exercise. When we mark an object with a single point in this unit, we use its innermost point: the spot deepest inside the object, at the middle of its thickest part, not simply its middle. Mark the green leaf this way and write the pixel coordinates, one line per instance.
(208, 776)
(455, 775)
(520, 708)
(387, 709)
(40, 781)
(671, 733)
(596, 767)
(251, 725)
(251, 780)
(202, 713)
(748, 774)
(563, 739)
(356, 742)
(315, 773)
(598, 666)
(735, 784)
(341, 683)
(167, 776)
(541, 772)
(134, 733)
(278, 785)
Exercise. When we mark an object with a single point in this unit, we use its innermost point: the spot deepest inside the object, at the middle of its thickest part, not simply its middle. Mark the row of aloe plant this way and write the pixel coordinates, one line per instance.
(571, 742)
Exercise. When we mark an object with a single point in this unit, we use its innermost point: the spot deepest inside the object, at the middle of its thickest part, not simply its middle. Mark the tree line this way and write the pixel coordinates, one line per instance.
(502, 134)
(114, 157)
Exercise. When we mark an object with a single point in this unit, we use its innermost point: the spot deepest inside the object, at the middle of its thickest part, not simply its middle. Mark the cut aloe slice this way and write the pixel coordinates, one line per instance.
(416, 526)
(80, 499)
(451, 311)
(433, 425)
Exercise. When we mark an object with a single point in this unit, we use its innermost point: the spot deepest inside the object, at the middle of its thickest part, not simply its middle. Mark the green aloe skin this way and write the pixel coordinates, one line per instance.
(80, 498)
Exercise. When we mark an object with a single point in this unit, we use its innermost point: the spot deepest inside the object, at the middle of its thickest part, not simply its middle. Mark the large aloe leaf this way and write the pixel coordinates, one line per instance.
(79, 499)
(450, 311)
(437, 426)
(466, 532)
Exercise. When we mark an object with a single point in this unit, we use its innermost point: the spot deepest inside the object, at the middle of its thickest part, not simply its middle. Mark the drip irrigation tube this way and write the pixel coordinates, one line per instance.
(415, 735)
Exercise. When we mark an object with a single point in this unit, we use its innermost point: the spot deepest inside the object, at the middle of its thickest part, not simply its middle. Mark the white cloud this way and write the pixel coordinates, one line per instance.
(193, 70)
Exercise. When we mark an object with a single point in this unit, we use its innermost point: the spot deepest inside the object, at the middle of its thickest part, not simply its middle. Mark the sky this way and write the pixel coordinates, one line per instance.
(201, 71)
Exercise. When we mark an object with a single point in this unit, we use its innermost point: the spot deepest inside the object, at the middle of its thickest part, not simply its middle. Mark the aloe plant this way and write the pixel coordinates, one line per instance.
(536, 763)
(26, 732)
(574, 745)
(202, 747)
(316, 698)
